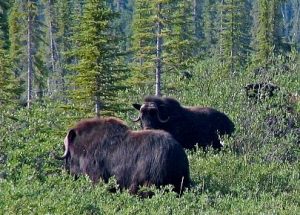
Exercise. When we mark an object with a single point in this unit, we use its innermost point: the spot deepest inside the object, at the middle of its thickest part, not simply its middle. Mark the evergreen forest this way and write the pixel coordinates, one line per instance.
(65, 60)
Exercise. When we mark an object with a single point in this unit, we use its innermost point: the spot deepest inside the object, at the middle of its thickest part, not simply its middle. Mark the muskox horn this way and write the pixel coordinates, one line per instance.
(160, 119)
(66, 153)
(136, 119)
(140, 109)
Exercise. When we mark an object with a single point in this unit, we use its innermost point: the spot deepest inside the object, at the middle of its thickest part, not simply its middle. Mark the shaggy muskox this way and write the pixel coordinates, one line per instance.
(260, 90)
(188, 125)
(106, 147)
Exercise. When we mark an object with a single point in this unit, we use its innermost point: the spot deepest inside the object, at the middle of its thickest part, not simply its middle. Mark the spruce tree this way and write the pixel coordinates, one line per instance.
(98, 68)
(143, 44)
(162, 36)
(25, 27)
(295, 23)
(234, 36)
(268, 36)
(4, 9)
(210, 22)
(180, 37)
(8, 83)
(63, 21)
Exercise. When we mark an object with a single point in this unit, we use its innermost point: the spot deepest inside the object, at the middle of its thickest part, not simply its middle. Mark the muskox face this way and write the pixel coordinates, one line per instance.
(151, 115)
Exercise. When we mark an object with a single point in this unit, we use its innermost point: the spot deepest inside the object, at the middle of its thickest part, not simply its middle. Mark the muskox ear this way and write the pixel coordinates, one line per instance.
(71, 136)
(137, 106)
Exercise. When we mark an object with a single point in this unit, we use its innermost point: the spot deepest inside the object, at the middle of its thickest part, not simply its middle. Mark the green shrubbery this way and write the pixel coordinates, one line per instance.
(257, 172)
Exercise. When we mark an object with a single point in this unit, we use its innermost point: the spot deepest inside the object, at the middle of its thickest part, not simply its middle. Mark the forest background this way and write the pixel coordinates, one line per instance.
(61, 61)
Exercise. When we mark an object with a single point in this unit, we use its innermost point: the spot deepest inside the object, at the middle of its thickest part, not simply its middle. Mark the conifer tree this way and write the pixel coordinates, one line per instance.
(4, 8)
(180, 37)
(211, 21)
(162, 34)
(16, 38)
(63, 21)
(98, 68)
(143, 43)
(268, 36)
(295, 32)
(8, 84)
(25, 27)
(234, 36)
(197, 7)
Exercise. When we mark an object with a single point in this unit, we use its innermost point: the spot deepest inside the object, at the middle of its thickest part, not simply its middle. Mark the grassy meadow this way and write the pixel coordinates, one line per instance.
(257, 172)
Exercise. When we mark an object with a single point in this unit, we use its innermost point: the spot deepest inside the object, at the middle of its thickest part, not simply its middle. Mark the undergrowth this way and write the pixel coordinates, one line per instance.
(256, 172)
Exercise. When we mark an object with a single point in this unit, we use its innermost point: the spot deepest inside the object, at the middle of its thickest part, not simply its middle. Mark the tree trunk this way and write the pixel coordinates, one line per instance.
(221, 48)
(158, 53)
(52, 50)
(296, 24)
(120, 5)
(29, 56)
(97, 106)
(232, 40)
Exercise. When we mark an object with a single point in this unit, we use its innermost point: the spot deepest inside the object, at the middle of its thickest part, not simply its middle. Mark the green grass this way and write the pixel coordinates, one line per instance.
(256, 173)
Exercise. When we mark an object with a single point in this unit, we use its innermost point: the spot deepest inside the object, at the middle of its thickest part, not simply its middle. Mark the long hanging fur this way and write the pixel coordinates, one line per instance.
(102, 148)
(188, 125)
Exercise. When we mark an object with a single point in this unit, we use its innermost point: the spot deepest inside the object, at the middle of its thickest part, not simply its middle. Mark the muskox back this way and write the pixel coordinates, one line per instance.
(188, 125)
(102, 148)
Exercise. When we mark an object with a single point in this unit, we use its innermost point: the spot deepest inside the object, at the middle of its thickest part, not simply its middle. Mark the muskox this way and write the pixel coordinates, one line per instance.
(260, 90)
(188, 125)
(106, 147)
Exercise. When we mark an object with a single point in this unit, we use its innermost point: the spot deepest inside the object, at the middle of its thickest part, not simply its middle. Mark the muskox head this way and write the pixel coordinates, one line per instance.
(73, 161)
(152, 115)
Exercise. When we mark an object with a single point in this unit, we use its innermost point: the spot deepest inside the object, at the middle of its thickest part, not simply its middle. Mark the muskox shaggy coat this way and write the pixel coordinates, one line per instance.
(106, 147)
(188, 125)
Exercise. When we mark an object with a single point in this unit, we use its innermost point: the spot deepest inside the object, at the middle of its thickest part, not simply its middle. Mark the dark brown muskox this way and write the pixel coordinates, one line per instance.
(189, 126)
(260, 91)
(106, 147)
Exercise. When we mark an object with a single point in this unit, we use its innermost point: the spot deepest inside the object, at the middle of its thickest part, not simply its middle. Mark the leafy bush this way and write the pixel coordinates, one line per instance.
(256, 172)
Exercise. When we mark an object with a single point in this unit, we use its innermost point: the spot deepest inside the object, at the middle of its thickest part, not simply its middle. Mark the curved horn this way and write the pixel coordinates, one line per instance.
(139, 116)
(136, 119)
(61, 158)
(160, 119)
(66, 153)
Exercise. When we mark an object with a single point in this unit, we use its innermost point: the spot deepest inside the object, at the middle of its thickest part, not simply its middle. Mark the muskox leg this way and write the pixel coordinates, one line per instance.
(134, 190)
(146, 194)
(216, 142)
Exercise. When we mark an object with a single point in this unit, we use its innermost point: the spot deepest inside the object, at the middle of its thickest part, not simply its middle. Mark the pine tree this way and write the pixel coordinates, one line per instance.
(98, 68)
(295, 23)
(4, 8)
(25, 27)
(234, 36)
(210, 25)
(63, 19)
(122, 25)
(143, 44)
(180, 37)
(197, 8)
(268, 37)
(162, 34)
(8, 84)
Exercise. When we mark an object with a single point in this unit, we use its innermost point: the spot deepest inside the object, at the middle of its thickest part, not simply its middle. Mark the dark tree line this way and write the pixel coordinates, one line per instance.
(82, 51)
